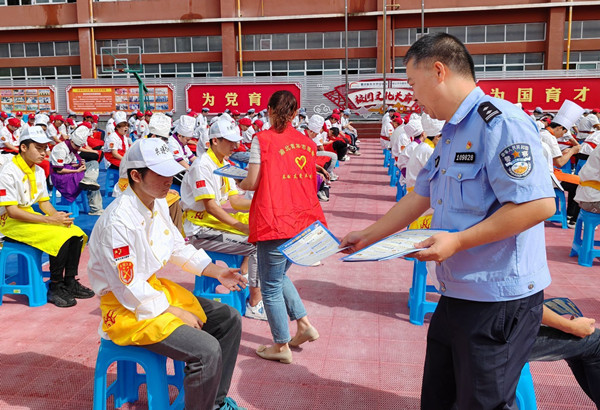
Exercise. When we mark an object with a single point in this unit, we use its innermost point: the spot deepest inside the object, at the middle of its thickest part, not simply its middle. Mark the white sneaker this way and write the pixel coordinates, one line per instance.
(97, 213)
(256, 312)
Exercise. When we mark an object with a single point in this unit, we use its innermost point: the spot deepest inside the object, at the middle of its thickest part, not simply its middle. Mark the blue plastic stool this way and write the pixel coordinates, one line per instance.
(561, 209)
(112, 177)
(387, 157)
(525, 392)
(585, 246)
(80, 204)
(28, 278)
(400, 190)
(205, 286)
(395, 177)
(580, 164)
(125, 387)
(417, 302)
(176, 188)
(567, 168)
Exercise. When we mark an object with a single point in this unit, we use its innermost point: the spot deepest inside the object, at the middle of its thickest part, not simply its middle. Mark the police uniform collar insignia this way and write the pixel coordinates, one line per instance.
(469, 145)
(488, 111)
(516, 160)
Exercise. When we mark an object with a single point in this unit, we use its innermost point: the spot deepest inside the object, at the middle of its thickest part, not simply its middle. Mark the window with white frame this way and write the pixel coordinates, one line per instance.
(39, 49)
(170, 70)
(496, 62)
(305, 41)
(492, 33)
(583, 29)
(308, 67)
(166, 44)
(583, 60)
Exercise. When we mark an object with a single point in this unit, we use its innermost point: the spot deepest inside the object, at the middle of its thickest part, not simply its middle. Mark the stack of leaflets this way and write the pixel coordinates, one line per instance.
(231, 171)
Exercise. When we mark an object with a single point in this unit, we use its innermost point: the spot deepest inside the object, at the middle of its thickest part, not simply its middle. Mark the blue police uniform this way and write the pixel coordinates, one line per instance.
(488, 316)
(490, 154)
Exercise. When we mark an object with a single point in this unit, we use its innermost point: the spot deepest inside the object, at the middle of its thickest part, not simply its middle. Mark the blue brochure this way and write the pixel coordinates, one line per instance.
(310, 246)
(394, 246)
(231, 171)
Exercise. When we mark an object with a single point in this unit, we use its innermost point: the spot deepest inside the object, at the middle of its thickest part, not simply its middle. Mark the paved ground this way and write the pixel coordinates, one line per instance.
(368, 356)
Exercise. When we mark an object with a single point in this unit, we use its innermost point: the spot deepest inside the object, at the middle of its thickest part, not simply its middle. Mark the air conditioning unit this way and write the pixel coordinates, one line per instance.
(265, 44)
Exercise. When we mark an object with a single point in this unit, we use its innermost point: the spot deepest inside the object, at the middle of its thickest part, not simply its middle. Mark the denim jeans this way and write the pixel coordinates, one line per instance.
(280, 297)
(582, 356)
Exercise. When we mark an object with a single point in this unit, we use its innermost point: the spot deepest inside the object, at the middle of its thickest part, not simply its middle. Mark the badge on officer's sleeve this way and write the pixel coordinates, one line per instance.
(516, 160)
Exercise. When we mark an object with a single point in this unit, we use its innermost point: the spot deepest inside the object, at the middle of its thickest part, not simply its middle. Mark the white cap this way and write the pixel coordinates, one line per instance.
(224, 129)
(568, 114)
(35, 133)
(160, 125)
(120, 117)
(414, 116)
(315, 124)
(431, 126)
(186, 126)
(80, 135)
(213, 120)
(42, 119)
(152, 153)
(414, 128)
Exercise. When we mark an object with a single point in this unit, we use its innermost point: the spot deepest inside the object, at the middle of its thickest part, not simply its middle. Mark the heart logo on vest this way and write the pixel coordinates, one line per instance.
(301, 161)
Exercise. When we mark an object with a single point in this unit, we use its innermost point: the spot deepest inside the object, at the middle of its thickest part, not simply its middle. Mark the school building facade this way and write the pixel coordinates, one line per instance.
(65, 39)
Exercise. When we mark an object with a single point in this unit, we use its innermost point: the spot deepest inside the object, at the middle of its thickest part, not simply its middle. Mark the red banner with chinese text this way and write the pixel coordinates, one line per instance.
(241, 97)
(547, 93)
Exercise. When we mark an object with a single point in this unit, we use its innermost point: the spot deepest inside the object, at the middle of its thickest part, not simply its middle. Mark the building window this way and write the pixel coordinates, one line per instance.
(170, 70)
(496, 62)
(583, 29)
(583, 60)
(493, 33)
(41, 73)
(305, 41)
(40, 49)
(308, 67)
(165, 44)
(30, 2)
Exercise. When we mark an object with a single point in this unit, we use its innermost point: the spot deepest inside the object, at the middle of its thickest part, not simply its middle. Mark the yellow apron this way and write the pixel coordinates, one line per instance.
(171, 198)
(203, 218)
(124, 329)
(45, 237)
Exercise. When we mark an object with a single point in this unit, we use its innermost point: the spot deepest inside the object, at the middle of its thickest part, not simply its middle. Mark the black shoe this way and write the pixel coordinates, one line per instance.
(89, 186)
(78, 291)
(59, 296)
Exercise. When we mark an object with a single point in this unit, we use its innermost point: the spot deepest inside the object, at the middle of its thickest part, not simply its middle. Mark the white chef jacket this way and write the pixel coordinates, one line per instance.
(589, 172)
(128, 231)
(416, 162)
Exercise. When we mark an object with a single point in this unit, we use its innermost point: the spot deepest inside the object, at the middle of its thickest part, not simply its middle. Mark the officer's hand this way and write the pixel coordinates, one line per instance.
(355, 241)
(60, 218)
(231, 279)
(582, 326)
(187, 317)
(440, 247)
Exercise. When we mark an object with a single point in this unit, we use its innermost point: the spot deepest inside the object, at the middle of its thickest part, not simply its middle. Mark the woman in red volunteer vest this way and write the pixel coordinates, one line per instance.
(282, 172)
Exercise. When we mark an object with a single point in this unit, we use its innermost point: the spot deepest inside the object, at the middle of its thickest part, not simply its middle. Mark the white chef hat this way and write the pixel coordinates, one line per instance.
(186, 126)
(431, 126)
(414, 128)
(80, 135)
(159, 125)
(315, 124)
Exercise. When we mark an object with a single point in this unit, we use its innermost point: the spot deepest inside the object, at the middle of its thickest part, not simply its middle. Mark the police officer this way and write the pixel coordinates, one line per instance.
(487, 182)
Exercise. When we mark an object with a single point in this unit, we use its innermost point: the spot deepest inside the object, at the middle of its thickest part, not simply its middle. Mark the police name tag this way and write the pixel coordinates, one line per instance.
(464, 157)
(516, 160)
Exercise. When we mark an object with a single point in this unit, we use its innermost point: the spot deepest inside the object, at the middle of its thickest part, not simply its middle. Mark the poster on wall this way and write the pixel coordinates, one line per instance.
(103, 100)
(365, 97)
(27, 99)
(241, 97)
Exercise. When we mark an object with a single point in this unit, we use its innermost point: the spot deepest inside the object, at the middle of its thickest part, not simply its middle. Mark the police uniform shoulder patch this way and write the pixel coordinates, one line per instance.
(488, 111)
(516, 160)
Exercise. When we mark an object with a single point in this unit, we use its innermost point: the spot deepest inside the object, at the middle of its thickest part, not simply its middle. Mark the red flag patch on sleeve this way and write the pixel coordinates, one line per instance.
(200, 184)
(2, 192)
(60, 161)
(122, 252)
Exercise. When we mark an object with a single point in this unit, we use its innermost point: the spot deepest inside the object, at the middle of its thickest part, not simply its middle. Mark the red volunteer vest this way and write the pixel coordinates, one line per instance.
(285, 201)
(109, 156)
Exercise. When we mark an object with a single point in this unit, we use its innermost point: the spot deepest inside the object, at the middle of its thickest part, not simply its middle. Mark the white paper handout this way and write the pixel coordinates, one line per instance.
(231, 171)
(394, 246)
(310, 246)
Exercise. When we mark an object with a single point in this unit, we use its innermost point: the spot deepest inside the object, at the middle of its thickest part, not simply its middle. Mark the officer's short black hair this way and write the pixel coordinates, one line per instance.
(444, 48)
